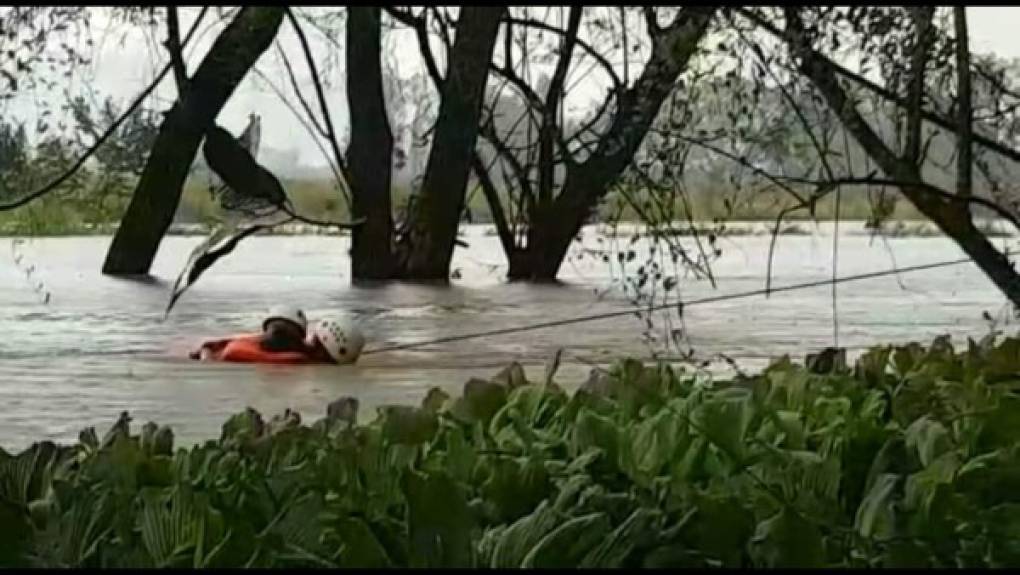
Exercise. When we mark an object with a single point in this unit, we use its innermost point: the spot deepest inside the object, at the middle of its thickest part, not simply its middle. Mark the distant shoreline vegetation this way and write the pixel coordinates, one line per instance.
(73, 214)
(896, 229)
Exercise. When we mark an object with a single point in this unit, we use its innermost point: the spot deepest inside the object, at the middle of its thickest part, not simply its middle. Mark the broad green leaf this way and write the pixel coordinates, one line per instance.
(721, 529)
(434, 400)
(408, 425)
(360, 547)
(511, 376)
(875, 515)
(245, 426)
(15, 535)
(480, 401)
(512, 546)
(999, 428)
(792, 427)
(439, 521)
(872, 366)
(616, 547)
(593, 430)
(566, 545)
(927, 438)
(515, 486)
(906, 357)
(170, 527)
(651, 445)
(1003, 361)
(788, 540)
(724, 421)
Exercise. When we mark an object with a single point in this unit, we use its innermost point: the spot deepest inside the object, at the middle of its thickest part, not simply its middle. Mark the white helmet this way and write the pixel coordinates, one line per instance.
(342, 339)
(289, 313)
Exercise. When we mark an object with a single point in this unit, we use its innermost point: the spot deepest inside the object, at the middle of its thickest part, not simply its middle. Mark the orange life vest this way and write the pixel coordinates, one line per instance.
(247, 349)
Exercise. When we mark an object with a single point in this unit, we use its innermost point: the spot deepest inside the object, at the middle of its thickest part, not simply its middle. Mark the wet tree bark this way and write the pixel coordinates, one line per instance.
(553, 227)
(425, 251)
(370, 153)
(158, 193)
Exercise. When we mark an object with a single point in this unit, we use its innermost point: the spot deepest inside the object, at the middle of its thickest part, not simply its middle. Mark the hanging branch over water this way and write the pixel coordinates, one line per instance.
(256, 193)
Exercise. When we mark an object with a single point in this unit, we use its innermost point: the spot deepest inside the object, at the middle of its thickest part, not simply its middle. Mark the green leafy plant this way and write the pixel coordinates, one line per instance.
(907, 458)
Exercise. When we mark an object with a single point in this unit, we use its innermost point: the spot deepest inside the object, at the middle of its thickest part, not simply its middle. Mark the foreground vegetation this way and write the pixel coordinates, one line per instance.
(910, 458)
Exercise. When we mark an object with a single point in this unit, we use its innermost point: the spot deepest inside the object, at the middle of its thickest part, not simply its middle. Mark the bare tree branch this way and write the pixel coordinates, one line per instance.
(297, 91)
(328, 122)
(885, 93)
(964, 109)
(921, 15)
(947, 213)
(304, 123)
(506, 237)
(606, 65)
(173, 45)
(549, 128)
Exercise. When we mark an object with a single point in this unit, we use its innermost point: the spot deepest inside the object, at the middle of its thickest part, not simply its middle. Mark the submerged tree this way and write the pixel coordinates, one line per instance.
(919, 63)
(201, 97)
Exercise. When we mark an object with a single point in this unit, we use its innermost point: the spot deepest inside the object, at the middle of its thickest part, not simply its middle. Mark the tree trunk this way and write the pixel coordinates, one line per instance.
(370, 153)
(158, 193)
(428, 247)
(552, 229)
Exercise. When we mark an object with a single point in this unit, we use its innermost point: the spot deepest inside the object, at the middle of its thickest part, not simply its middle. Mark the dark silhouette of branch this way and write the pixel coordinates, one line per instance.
(322, 223)
(328, 122)
(173, 45)
(650, 18)
(964, 110)
(304, 123)
(297, 91)
(808, 129)
(405, 18)
(783, 182)
(492, 197)
(488, 132)
(529, 23)
(549, 128)
(55, 183)
(923, 187)
(420, 26)
(921, 16)
(885, 93)
(991, 78)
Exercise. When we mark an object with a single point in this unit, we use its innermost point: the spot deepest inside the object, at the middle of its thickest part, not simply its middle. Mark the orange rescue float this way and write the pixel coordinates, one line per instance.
(247, 349)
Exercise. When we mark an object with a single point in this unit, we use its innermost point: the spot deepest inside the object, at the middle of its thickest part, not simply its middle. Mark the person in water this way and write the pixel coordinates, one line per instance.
(338, 342)
(284, 340)
(284, 329)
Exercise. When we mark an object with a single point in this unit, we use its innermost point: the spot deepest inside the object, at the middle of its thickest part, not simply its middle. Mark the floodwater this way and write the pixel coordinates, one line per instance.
(101, 345)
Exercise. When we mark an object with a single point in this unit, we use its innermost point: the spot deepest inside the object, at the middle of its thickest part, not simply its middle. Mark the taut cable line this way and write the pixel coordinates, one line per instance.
(679, 305)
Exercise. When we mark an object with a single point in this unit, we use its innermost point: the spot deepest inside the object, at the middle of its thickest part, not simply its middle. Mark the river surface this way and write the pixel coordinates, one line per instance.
(101, 345)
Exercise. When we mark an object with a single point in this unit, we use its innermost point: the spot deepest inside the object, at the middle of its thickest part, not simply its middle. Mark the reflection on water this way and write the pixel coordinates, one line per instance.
(101, 345)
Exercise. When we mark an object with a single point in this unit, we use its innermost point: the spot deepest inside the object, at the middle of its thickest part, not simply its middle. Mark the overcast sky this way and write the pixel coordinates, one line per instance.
(124, 65)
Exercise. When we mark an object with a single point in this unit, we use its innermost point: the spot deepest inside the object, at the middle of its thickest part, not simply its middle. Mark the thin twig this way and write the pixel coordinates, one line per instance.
(322, 103)
(297, 91)
(304, 123)
(881, 91)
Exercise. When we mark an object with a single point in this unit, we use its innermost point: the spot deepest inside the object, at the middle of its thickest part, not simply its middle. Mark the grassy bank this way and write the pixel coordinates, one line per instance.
(80, 212)
(907, 459)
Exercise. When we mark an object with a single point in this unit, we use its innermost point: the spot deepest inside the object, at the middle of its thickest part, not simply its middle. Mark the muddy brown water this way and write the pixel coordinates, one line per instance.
(101, 345)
